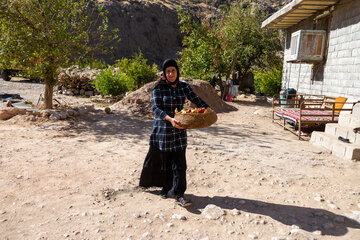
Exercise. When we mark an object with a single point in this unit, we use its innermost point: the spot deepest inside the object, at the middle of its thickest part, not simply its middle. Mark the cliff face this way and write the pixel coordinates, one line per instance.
(149, 27)
(152, 26)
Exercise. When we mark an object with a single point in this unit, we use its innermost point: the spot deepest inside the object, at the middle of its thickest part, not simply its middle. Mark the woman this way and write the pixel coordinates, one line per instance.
(165, 163)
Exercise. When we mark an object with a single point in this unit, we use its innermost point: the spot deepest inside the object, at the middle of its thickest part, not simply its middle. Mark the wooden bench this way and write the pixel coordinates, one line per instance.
(307, 110)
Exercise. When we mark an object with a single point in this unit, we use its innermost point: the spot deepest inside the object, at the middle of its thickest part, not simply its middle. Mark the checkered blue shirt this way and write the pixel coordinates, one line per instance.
(165, 99)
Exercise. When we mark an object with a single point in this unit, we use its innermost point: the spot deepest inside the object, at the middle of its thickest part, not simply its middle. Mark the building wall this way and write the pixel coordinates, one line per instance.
(340, 75)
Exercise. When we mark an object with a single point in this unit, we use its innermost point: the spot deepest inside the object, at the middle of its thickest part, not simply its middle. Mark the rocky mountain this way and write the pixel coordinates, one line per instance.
(152, 26)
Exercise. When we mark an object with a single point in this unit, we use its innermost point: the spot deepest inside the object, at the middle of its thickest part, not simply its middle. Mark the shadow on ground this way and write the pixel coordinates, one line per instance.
(308, 219)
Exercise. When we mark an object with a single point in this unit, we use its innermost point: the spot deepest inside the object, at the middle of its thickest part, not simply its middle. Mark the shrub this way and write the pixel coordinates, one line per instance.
(110, 82)
(136, 70)
(268, 82)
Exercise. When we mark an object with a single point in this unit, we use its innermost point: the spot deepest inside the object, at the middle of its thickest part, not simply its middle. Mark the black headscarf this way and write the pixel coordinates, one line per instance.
(163, 81)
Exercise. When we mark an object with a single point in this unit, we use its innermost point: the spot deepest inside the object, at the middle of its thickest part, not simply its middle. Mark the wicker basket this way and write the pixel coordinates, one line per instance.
(197, 120)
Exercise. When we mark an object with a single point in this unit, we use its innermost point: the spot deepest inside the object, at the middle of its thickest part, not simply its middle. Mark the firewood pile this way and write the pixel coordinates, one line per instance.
(77, 81)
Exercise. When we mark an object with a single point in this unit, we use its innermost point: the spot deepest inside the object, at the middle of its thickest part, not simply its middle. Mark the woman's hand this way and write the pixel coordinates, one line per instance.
(174, 122)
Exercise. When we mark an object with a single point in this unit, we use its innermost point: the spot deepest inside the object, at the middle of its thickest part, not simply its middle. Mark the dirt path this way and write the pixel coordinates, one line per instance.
(78, 180)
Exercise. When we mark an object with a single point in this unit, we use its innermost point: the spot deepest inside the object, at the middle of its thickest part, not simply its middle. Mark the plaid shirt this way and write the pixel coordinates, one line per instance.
(164, 100)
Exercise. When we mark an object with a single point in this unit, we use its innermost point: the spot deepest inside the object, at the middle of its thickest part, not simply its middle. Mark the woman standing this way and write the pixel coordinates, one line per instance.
(165, 163)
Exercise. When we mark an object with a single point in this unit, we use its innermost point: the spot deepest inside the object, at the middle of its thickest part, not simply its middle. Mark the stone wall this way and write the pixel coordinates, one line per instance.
(340, 75)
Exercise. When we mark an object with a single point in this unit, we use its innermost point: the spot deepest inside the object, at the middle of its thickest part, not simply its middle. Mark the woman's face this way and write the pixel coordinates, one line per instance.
(171, 74)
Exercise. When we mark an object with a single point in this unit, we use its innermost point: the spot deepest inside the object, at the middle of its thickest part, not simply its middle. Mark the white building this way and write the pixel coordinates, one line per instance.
(335, 71)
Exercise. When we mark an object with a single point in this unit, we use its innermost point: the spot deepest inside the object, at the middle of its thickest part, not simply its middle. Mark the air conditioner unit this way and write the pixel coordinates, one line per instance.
(307, 46)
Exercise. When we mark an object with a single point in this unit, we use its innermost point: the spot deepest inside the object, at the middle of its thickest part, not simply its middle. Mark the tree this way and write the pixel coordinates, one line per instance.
(201, 57)
(234, 41)
(45, 35)
(242, 36)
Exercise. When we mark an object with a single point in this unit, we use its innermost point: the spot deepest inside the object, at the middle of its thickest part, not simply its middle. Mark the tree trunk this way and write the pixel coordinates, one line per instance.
(48, 99)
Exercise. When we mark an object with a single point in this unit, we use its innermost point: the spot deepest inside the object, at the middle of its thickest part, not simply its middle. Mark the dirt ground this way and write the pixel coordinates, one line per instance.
(77, 179)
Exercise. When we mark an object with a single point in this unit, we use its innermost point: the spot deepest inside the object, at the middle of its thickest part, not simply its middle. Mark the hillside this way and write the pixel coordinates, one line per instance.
(152, 26)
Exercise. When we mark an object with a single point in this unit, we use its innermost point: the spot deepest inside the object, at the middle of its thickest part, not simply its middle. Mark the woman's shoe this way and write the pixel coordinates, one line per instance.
(182, 201)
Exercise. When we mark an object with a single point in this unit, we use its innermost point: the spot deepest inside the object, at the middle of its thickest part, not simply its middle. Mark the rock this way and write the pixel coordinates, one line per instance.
(235, 212)
(180, 217)
(278, 238)
(319, 199)
(54, 116)
(81, 110)
(82, 92)
(62, 115)
(89, 93)
(89, 107)
(170, 224)
(253, 236)
(147, 235)
(301, 233)
(71, 113)
(333, 206)
(263, 113)
(213, 212)
(68, 92)
(160, 216)
(2, 212)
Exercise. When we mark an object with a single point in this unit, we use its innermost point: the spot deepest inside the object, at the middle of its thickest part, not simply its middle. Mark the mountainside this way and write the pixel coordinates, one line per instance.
(152, 26)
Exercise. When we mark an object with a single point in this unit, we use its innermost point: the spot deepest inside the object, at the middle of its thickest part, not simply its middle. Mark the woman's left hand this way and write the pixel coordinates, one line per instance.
(174, 122)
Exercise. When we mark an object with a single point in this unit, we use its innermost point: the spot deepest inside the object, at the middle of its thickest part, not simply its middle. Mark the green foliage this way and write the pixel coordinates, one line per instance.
(111, 82)
(45, 35)
(268, 82)
(234, 38)
(136, 71)
(130, 74)
(201, 57)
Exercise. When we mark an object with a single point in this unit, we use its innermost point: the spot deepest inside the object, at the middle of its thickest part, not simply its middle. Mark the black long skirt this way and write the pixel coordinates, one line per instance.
(166, 170)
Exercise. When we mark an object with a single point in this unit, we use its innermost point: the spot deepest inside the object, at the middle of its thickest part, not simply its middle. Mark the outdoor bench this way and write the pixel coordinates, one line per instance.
(301, 110)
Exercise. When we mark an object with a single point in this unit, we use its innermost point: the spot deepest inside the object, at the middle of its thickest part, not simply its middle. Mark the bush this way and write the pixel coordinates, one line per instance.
(268, 82)
(110, 82)
(136, 70)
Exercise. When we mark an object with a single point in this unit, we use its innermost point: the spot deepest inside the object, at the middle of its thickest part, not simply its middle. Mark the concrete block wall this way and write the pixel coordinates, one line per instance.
(341, 73)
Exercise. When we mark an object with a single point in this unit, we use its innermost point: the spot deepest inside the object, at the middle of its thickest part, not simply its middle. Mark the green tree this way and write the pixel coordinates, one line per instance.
(136, 70)
(234, 41)
(240, 32)
(201, 57)
(45, 35)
